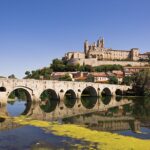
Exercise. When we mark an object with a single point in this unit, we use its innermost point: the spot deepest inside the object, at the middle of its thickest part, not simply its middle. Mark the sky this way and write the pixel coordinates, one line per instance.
(34, 32)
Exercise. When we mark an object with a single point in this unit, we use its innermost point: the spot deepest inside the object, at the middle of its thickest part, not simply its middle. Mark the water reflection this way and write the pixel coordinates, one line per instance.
(48, 105)
(106, 99)
(89, 102)
(49, 101)
(70, 102)
(17, 107)
(107, 114)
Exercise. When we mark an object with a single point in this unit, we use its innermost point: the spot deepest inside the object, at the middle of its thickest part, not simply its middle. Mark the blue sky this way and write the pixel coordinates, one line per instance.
(33, 32)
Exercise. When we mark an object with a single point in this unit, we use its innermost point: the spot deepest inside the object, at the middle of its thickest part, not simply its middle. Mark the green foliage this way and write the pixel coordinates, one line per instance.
(63, 66)
(39, 74)
(105, 68)
(12, 76)
(27, 73)
(141, 108)
(128, 80)
(113, 80)
(19, 93)
(142, 83)
(58, 65)
(66, 77)
(90, 78)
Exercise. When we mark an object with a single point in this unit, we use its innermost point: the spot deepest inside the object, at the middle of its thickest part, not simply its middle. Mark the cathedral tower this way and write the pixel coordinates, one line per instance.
(86, 47)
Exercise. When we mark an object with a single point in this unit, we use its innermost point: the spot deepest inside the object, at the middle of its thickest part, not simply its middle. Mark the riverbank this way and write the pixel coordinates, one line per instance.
(102, 140)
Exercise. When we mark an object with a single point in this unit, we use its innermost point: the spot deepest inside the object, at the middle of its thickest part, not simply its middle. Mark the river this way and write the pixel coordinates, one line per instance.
(128, 116)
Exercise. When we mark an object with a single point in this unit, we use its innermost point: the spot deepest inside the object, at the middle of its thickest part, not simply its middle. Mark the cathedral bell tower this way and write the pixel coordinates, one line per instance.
(86, 47)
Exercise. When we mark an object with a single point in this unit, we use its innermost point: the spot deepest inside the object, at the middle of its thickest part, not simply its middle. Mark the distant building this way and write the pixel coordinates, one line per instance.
(119, 75)
(96, 54)
(100, 77)
(129, 71)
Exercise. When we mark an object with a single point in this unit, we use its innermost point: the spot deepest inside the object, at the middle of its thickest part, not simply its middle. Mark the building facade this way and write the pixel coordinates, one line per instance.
(95, 53)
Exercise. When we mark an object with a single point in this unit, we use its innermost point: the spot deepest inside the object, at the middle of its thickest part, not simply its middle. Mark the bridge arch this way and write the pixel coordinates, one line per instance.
(49, 100)
(70, 94)
(70, 98)
(106, 100)
(24, 97)
(106, 92)
(89, 91)
(2, 89)
(15, 92)
(119, 92)
(89, 102)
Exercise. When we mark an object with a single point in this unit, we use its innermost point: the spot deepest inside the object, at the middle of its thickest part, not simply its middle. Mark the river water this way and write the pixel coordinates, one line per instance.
(121, 115)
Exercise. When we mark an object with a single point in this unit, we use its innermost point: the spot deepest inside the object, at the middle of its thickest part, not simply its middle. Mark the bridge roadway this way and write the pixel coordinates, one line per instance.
(58, 89)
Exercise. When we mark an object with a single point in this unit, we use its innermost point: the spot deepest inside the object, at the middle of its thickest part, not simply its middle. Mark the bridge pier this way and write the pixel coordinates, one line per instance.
(3, 97)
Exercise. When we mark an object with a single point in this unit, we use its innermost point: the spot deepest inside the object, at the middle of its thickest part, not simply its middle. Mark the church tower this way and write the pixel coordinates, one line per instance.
(86, 47)
(102, 43)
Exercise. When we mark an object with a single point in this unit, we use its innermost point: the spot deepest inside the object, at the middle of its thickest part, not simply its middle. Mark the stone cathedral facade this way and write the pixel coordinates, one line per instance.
(96, 54)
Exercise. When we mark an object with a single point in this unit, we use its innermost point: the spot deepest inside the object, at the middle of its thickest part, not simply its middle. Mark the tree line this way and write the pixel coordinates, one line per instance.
(59, 65)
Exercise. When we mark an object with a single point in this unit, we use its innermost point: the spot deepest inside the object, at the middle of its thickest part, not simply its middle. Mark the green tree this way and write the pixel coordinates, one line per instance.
(12, 76)
(66, 77)
(142, 83)
(128, 80)
(27, 73)
(113, 80)
(90, 78)
(105, 68)
(58, 65)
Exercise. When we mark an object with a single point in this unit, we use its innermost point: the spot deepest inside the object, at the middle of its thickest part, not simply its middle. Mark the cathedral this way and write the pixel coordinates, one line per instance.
(98, 52)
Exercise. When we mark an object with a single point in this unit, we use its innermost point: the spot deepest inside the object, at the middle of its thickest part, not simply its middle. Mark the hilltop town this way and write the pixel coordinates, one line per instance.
(96, 64)
(96, 54)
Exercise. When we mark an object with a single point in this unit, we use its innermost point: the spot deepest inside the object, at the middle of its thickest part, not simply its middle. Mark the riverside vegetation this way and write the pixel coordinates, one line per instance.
(96, 139)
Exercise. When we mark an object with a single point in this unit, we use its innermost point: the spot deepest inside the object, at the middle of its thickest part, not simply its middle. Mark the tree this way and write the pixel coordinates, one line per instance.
(142, 83)
(66, 77)
(27, 73)
(113, 80)
(58, 65)
(12, 76)
(128, 80)
(90, 78)
(105, 68)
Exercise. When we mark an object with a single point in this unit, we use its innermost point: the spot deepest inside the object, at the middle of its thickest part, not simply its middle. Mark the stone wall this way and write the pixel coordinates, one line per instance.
(95, 62)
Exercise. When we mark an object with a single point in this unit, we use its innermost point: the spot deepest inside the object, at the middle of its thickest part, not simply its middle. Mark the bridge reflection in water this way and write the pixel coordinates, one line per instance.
(106, 113)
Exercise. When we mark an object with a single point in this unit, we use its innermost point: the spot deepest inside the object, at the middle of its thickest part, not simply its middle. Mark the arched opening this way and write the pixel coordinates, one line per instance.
(2, 89)
(119, 92)
(70, 98)
(2, 119)
(19, 102)
(49, 100)
(106, 92)
(118, 98)
(89, 92)
(89, 102)
(106, 100)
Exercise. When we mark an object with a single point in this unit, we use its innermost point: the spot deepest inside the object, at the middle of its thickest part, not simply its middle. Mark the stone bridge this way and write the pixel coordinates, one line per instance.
(58, 89)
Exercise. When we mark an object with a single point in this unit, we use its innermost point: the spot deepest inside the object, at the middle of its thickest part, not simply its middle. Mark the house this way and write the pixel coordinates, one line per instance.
(57, 75)
(119, 75)
(100, 77)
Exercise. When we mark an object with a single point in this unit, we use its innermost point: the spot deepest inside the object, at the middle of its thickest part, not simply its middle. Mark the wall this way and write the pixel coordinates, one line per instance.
(95, 62)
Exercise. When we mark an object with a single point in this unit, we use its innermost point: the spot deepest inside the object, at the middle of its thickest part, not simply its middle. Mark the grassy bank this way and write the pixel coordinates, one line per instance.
(103, 140)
